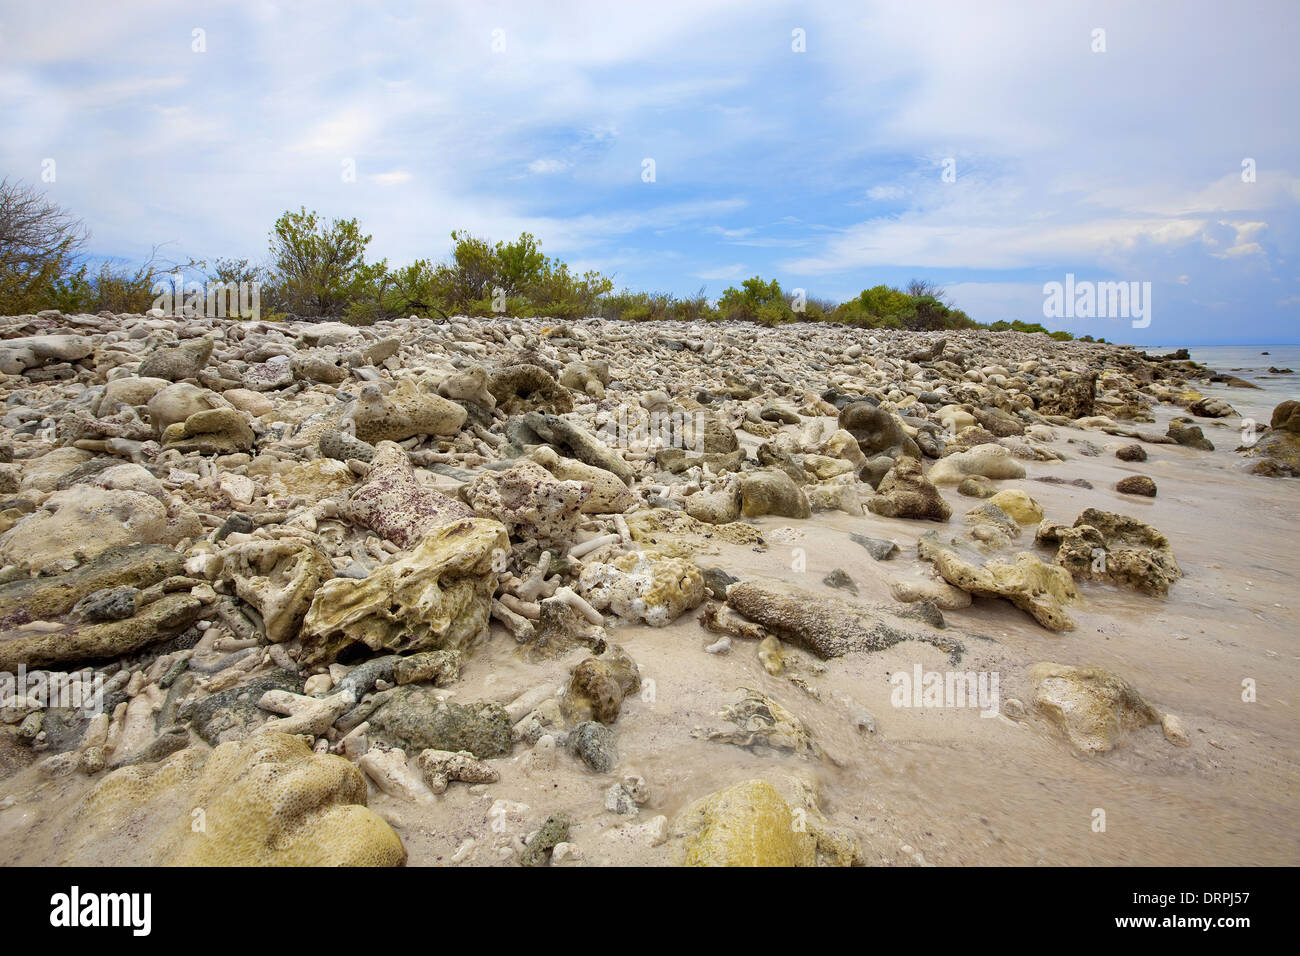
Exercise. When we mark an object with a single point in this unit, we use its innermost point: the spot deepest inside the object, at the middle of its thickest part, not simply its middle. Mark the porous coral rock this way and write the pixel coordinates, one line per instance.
(404, 412)
(279, 578)
(532, 503)
(1105, 546)
(1094, 708)
(392, 503)
(1040, 590)
(643, 586)
(435, 596)
(266, 801)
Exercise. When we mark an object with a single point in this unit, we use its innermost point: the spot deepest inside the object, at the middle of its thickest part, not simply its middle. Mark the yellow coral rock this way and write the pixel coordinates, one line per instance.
(264, 801)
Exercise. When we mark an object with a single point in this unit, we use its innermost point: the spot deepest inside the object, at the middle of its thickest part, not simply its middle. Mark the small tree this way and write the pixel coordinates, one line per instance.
(321, 269)
(39, 242)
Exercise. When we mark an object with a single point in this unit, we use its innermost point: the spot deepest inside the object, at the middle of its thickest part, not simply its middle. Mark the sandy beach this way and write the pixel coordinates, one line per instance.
(880, 784)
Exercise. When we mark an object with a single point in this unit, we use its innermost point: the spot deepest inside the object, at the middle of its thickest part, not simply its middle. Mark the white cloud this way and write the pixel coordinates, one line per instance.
(543, 167)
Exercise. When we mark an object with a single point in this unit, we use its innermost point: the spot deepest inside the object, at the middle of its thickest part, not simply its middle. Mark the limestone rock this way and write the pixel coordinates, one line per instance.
(407, 411)
(1106, 546)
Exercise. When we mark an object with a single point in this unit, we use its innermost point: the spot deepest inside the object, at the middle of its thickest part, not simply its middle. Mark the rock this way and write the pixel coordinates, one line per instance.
(761, 721)
(131, 391)
(471, 385)
(772, 492)
(279, 578)
(440, 767)
(593, 744)
(748, 824)
(1094, 708)
(598, 686)
(532, 503)
(554, 831)
(826, 626)
(989, 461)
(643, 586)
(721, 505)
(135, 566)
(1188, 435)
(415, 718)
(529, 388)
(839, 579)
(876, 431)
(1021, 507)
(1040, 590)
(976, 486)
(221, 431)
(567, 438)
(609, 495)
(108, 604)
(80, 523)
(1136, 485)
(247, 400)
(318, 368)
(1131, 453)
(990, 526)
(392, 503)
(407, 411)
(1278, 451)
(160, 619)
(341, 446)
(433, 597)
(937, 591)
(906, 493)
(268, 801)
(878, 548)
(173, 404)
(1069, 395)
(185, 360)
(268, 376)
(1111, 547)
(1211, 408)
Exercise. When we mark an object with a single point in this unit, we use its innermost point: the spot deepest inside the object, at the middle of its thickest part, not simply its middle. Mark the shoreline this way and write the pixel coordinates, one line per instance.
(924, 785)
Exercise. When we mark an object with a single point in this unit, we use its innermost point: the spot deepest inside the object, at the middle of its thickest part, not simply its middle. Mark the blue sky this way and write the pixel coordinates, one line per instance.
(820, 168)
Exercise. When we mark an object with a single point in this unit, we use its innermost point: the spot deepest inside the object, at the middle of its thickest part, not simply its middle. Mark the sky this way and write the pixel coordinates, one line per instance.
(990, 148)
